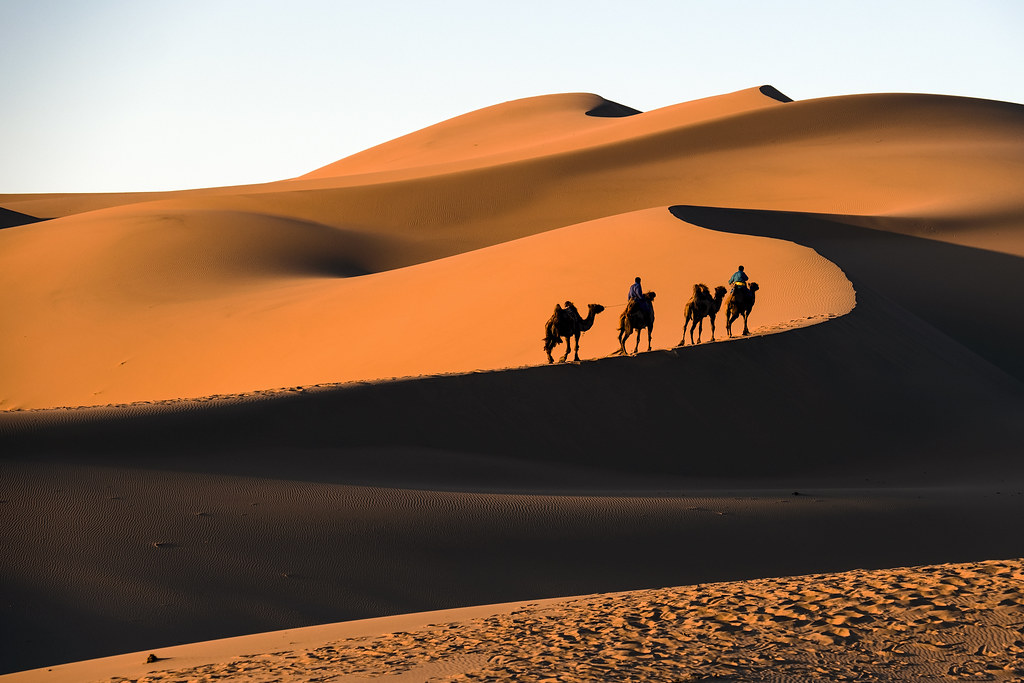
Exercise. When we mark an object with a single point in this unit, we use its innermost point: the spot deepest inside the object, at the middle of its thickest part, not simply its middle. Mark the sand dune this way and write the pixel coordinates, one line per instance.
(243, 409)
(159, 304)
(538, 126)
(176, 258)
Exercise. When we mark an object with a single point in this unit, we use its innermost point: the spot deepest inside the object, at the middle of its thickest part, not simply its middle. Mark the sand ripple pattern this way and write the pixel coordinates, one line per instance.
(941, 622)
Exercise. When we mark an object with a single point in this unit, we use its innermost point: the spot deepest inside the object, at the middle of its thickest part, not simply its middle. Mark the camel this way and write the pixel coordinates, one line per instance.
(635, 319)
(741, 301)
(702, 305)
(567, 322)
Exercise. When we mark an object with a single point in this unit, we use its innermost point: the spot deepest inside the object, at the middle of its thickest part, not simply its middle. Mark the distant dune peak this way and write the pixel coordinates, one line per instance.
(775, 94)
(508, 127)
(609, 109)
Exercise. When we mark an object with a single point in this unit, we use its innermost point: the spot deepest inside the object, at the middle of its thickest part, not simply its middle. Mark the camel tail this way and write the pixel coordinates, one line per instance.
(622, 320)
(551, 336)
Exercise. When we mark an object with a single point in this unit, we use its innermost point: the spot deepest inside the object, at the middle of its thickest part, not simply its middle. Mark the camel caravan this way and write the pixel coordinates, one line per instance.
(567, 324)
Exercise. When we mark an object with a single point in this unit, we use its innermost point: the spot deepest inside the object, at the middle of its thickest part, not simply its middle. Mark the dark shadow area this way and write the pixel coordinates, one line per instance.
(11, 219)
(972, 295)
(614, 110)
(770, 91)
(265, 556)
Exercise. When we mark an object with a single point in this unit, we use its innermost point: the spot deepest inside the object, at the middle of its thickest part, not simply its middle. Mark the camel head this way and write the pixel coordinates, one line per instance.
(753, 287)
(591, 315)
(720, 292)
(650, 296)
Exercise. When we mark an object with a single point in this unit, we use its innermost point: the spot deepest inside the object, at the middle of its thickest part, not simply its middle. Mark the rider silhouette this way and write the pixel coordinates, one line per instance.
(636, 292)
(636, 296)
(738, 279)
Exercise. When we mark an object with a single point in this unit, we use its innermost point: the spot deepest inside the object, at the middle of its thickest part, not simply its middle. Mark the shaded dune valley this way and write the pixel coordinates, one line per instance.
(273, 408)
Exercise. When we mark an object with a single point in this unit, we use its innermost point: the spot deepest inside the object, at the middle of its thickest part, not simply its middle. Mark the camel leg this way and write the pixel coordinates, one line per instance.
(728, 323)
(568, 344)
(649, 331)
(682, 342)
(576, 357)
(746, 332)
(636, 347)
(700, 329)
(712, 328)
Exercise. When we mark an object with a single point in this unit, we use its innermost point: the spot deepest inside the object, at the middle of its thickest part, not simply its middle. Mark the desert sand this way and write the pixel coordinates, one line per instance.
(245, 409)
(952, 622)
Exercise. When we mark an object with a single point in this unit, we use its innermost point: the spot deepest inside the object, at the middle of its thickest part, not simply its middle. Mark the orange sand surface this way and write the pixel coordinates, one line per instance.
(945, 622)
(245, 409)
(328, 278)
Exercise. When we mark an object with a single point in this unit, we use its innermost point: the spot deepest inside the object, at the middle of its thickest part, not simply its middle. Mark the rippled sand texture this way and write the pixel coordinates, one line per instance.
(942, 622)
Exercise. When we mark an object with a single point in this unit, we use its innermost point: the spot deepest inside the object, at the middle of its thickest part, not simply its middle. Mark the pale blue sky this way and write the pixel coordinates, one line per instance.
(117, 95)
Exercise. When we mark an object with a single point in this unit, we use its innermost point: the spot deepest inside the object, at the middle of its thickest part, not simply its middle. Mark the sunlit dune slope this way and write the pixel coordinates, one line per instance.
(508, 127)
(950, 164)
(154, 316)
(530, 127)
(535, 126)
(368, 267)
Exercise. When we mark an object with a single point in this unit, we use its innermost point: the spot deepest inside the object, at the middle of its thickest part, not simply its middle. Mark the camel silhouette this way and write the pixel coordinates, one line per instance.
(741, 301)
(635, 319)
(568, 324)
(702, 305)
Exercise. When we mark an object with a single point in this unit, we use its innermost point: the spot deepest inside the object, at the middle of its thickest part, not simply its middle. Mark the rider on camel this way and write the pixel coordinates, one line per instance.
(636, 296)
(738, 279)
